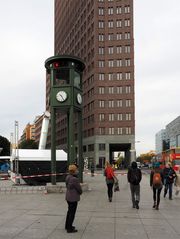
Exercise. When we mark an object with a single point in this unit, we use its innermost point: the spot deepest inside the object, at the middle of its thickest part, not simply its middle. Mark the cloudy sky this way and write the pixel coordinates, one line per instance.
(26, 41)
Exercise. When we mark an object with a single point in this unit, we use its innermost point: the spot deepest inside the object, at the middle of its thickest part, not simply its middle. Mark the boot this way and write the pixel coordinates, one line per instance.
(154, 206)
(137, 204)
(157, 207)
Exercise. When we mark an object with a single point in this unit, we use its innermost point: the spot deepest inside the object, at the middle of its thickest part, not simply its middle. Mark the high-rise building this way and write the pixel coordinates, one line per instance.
(100, 32)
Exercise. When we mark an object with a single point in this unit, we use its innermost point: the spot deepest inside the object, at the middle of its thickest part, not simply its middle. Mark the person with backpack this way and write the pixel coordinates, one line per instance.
(110, 177)
(134, 177)
(156, 182)
(169, 176)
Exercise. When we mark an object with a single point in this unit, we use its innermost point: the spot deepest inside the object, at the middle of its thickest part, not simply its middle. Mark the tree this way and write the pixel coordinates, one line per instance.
(146, 157)
(28, 144)
(5, 145)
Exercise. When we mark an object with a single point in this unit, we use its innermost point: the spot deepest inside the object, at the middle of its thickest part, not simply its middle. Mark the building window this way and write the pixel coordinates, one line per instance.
(101, 76)
(127, 62)
(118, 10)
(128, 116)
(101, 11)
(101, 64)
(119, 103)
(128, 89)
(101, 50)
(119, 36)
(128, 103)
(119, 49)
(111, 131)
(111, 90)
(101, 90)
(110, 76)
(110, 37)
(111, 63)
(111, 103)
(127, 49)
(119, 117)
(110, 24)
(119, 63)
(128, 75)
(128, 130)
(101, 103)
(118, 23)
(119, 76)
(102, 147)
(110, 50)
(127, 23)
(101, 37)
(119, 89)
(111, 117)
(127, 35)
(127, 9)
(119, 130)
(101, 117)
(91, 147)
(110, 10)
(102, 130)
(101, 24)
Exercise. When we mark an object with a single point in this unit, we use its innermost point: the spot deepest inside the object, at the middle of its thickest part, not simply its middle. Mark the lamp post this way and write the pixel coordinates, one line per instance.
(133, 151)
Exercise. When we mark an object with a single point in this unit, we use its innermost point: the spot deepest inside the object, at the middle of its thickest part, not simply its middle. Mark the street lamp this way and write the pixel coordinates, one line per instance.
(133, 151)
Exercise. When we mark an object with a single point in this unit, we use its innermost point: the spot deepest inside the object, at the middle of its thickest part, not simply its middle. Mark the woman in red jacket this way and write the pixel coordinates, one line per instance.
(110, 176)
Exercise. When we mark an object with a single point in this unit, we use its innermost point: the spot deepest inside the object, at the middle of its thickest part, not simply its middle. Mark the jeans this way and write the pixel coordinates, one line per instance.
(72, 206)
(135, 193)
(156, 195)
(110, 190)
(168, 186)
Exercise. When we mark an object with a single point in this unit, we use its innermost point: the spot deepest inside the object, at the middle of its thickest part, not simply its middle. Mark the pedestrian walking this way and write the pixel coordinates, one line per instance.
(134, 177)
(177, 183)
(169, 176)
(110, 178)
(73, 193)
(156, 183)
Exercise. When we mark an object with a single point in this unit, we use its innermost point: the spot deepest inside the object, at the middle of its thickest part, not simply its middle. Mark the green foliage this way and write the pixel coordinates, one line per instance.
(28, 144)
(5, 145)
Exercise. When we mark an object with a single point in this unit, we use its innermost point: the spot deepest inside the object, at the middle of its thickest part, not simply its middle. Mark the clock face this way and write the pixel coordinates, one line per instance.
(61, 96)
(79, 98)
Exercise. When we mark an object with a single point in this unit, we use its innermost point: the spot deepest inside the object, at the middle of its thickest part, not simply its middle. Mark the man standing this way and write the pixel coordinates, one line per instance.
(134, 177)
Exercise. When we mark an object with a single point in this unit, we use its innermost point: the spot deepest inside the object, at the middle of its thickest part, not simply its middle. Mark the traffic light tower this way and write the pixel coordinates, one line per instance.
(66, 96)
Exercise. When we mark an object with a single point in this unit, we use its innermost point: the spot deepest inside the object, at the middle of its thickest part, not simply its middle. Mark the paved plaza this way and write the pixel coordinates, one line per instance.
(39, 215)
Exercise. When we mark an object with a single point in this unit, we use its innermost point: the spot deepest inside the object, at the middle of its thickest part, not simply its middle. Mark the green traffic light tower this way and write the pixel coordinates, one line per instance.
(66, 96)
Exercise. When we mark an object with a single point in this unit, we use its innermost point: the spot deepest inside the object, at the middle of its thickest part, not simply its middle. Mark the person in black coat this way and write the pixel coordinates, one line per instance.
(134, 177)
(73, 193)
(169, 176)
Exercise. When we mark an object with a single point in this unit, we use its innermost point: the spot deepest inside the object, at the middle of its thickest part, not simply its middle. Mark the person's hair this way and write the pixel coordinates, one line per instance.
(72, 168)
(107, 164)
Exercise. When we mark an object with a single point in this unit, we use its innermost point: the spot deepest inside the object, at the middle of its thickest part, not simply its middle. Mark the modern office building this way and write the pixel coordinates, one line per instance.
(160, 138)
(100, 32)
(169, 137)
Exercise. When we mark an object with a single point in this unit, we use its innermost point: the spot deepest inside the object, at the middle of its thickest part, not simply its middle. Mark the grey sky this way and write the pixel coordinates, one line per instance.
(26, 41)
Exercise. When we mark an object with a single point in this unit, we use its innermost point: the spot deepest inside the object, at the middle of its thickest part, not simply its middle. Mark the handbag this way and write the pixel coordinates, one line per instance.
(116, 185)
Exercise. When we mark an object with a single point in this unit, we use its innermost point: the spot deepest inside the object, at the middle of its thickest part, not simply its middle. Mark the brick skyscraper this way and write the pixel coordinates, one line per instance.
(101, 33)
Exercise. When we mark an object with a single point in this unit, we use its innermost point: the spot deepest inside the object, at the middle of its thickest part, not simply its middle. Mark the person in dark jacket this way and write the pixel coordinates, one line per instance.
(169, 176)
(73, 193)
(156, 187)
(134, 177)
